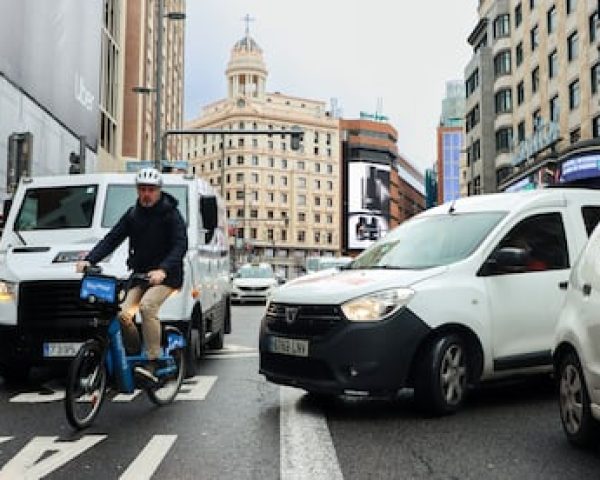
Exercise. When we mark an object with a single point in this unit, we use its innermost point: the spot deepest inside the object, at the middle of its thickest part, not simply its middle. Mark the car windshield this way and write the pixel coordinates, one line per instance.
(57, 208)
(255, 272)
(333, 262)
(120, 197)
(429, 241)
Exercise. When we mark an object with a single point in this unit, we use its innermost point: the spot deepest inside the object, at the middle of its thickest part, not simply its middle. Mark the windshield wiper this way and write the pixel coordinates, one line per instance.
(379, 267)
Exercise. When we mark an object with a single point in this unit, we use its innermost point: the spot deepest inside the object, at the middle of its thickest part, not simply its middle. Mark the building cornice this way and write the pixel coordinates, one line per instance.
(477, 31)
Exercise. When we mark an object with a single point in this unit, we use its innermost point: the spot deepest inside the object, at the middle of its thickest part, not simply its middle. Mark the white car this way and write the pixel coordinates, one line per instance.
(577, 349)
(253, 282)
(461, 293)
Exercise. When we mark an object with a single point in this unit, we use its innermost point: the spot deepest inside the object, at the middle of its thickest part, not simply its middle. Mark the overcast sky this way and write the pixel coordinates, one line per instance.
(353, 50)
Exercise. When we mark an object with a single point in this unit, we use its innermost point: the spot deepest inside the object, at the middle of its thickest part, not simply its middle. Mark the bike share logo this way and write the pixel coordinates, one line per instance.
(291, 314)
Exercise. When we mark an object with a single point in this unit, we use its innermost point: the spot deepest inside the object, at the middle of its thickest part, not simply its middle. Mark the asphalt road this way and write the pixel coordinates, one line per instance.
(229, 423)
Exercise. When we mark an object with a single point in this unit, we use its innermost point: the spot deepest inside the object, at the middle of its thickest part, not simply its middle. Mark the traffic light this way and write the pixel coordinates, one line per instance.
(297, 135)
(76, 166)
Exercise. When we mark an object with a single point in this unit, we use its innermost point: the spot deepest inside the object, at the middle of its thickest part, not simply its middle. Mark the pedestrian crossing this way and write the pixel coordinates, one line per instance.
(193, 389)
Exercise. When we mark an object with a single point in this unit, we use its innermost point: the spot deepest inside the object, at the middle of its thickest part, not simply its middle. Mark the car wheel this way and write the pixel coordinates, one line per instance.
(441, 376)
(227, 321)
(579, 425)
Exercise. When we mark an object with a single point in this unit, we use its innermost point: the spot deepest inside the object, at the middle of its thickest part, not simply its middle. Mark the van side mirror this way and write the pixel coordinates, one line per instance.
(506, 260)
(210, 216)
(5, 209)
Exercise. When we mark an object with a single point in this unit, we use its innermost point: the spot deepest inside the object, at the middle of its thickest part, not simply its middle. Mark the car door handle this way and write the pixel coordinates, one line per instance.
(563, 285)
(587, 289)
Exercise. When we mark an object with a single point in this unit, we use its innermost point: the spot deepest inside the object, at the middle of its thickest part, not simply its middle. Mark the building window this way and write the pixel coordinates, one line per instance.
(553, 64)
(532, 4)
(317, 167)
(240, 160)
(572, 46)
(317, 237)
(520, 92)
(271, 179)
(472, 118)
(271, 162)
(284, 197)
(255, 178)
(472, 83)
(301, 182)
(239, 195)
(271, 197)
(554, 109)
(504, 139)
(301, 216)
(283, 163)
(502, 26)
(570, 6)
(593, 26)
(536, 119)
(535, 79)
(534, 36)
(595, 77)
(283, 235)
(253, 213)
(504, 101)
(301, 200)
(255, 161)
(300, 165)
(519, 54)
(574, 95)
(317, 218)
(575, 135)
(239, 177)
(270, 214)
(502, 64)
(518, 15)
(521, 131)
(318, 201)
(301, 236)
(284, 181)
(551, 17)
(329, 168)
(596, 127)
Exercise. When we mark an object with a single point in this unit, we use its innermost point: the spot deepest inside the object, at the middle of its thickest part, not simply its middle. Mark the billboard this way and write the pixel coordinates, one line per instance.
(51, 50)
(368, 203)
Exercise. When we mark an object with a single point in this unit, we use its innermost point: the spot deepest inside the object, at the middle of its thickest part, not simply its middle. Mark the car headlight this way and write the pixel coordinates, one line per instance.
(377, 306)
(7, 291)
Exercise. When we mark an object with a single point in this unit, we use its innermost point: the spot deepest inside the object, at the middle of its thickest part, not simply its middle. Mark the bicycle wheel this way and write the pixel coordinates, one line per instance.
(165, 392)
(86, 385)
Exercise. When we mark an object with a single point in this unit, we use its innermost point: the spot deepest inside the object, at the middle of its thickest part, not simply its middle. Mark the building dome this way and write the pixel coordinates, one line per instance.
(246, 71)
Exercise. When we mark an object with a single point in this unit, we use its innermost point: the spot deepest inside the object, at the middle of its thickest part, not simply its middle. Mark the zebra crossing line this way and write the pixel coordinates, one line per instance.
(43, 455)
(193, 389)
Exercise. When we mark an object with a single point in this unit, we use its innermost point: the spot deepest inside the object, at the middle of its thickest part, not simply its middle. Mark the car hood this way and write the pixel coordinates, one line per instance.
(335, 287)
(254, 282)
(40, 262)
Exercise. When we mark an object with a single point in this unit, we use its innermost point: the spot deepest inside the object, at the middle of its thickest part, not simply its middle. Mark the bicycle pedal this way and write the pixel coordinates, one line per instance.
(146, 374)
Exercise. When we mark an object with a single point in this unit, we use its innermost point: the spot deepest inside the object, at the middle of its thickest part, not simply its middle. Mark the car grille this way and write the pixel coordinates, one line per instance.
(48, 305)
(253, 289)
(295, 367)
(308, 321)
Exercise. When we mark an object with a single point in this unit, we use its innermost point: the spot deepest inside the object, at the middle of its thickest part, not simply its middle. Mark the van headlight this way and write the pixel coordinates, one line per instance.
(7, 291)
(377, 306)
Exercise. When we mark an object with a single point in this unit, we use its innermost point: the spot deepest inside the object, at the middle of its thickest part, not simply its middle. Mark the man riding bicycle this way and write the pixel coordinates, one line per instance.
(157, 244)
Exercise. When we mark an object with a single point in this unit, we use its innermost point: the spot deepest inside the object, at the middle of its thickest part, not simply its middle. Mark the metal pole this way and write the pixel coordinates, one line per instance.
(223, 166)
(157, 86)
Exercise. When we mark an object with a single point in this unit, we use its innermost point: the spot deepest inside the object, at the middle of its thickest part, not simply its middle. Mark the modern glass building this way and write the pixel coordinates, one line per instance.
(451, 140)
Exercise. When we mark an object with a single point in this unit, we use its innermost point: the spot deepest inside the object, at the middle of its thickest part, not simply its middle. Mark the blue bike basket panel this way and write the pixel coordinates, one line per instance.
(98, 289)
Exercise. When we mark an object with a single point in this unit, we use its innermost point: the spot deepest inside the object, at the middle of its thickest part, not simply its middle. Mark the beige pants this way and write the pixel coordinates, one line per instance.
(148, 302)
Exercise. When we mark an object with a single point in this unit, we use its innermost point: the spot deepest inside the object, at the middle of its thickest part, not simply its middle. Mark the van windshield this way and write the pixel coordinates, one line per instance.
(57, 208)
(255, 271)
(120, 197)
(429, 241)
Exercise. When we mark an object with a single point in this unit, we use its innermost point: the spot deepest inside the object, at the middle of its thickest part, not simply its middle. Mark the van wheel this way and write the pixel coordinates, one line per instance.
(441, 376)
(579, 425)
(194, 349)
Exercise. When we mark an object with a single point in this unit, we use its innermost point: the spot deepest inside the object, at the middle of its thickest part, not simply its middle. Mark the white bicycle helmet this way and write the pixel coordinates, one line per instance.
(148, 176)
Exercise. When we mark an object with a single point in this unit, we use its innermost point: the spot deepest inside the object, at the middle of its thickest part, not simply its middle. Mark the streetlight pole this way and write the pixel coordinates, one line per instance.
(158, 85)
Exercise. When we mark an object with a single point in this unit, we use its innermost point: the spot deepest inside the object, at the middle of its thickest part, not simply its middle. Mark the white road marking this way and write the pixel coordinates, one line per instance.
(307, 451)
(126, 397)
(38, 397)
(5, 439)
(149, 458)
(27, 464)
(196, 388)
(228, 356)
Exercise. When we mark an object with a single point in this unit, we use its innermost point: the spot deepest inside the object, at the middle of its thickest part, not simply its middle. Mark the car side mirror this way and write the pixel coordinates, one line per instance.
(506, 260)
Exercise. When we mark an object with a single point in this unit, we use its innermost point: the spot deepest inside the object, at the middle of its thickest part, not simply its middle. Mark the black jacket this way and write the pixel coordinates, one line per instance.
(157, 239)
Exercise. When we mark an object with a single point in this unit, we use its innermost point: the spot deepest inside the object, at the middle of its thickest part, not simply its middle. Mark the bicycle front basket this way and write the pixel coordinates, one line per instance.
(99, 289)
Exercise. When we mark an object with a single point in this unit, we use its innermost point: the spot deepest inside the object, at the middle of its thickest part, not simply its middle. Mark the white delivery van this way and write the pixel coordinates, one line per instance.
(467, 291)
(54, 221)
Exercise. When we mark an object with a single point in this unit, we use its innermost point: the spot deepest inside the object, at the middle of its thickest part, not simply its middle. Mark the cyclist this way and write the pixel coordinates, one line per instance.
(157, 244)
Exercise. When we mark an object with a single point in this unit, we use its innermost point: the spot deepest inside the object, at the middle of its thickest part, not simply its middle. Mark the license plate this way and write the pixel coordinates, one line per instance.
(61, 349)
(289, 346)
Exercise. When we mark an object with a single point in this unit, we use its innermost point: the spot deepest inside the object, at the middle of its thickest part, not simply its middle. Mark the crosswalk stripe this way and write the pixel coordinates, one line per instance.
(146, 463)
(126, 397)
(196, 388)
(5, 439)
(306, 446)
(227, 356)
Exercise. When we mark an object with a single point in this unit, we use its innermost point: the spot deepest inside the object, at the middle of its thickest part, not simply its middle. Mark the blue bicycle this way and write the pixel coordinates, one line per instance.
(102, 362)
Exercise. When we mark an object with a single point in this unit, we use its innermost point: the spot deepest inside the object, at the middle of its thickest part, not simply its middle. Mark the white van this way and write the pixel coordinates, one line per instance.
(54, 221)
(577, 349)
(463, 292)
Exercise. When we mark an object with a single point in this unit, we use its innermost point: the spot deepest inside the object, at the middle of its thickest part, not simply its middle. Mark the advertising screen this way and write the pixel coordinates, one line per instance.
(52, 51)
(368, 203)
